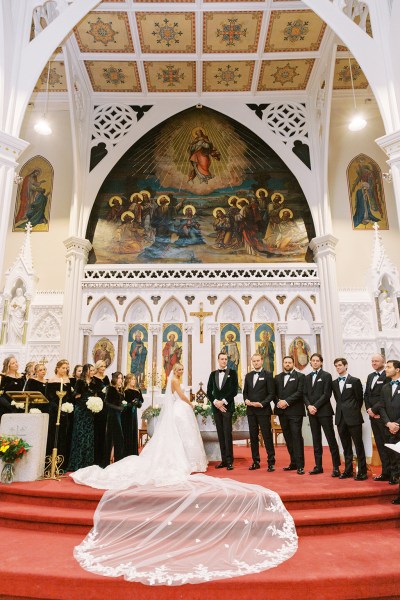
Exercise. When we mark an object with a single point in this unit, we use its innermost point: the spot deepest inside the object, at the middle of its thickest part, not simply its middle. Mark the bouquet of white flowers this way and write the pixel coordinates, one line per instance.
(35, 411)
(19, 405)
(67, 407)
(94, 404)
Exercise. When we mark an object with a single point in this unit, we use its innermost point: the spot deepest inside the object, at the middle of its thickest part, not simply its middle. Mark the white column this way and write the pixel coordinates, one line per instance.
(77, 255)
(87, 330)
(155, 369)
(282, 330)
(325, 257)
(246, 364)
(120, 330)
(390, 144)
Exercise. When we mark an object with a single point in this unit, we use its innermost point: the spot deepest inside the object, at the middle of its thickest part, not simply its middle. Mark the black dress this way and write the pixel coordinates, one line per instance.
(129, 419)
(100, 423)
(9, 384)
(66, 420)
(114, 435)
(82, 446)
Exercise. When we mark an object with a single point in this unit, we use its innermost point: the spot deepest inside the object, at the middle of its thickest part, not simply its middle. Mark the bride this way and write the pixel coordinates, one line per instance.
(160, 525)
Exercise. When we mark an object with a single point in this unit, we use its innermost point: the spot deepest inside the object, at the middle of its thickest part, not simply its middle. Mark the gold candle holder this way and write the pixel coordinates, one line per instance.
(55, 460)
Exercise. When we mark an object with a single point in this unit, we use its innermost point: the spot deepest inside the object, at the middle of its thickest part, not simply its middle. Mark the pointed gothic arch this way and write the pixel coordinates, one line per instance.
(260, 301)
(299, 298)
(224, 302)
(172, 299)
(138, 300)
(103, 301)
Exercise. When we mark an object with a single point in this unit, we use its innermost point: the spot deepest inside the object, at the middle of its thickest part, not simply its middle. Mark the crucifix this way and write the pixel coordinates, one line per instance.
(201, 316)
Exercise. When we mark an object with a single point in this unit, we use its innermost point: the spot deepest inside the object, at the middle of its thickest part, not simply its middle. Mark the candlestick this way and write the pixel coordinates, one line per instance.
(61, 386)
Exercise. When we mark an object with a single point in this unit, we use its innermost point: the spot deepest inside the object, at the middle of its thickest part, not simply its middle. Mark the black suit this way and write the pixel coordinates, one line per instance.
(223, 420)
(349, 421)
(291, 417)
(372, 396)
(389, 409)
(318, 394)
(260, 418)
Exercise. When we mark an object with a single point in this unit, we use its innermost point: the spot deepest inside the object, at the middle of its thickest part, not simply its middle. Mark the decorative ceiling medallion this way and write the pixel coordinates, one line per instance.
(171, 76)
(57, 78)
(231, 31)
(166, 32)
(232, 76)
(104, 32)
(115, 76)
(285, 74)
(294, 31)
(342, 77)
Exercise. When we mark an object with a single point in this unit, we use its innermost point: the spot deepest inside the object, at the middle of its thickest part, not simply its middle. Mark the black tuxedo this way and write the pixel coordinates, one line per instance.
(372, 396)
(349, 421)
(389, 410)
(223, 420)
(318, 394)
(260, 418)
(291, 417)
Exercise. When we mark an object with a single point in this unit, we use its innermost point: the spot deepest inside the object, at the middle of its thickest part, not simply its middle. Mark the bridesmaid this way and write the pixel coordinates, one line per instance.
(102, 382)
(134, 400)
(114, 435)
(76, 374)
(37, 382)
(29, 370)
(82, 448)
(59, 382)
(11, 381)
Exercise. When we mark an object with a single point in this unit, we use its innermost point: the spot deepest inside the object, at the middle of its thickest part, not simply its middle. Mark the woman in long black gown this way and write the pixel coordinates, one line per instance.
(11, 381)
(82, 447)
(76, 374)
(114, 402)
(134, 400)
(60, 382)
(100, 419)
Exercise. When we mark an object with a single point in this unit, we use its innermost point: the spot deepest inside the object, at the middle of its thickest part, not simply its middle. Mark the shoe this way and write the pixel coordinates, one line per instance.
(361, 477)
(254, 466)
(290, 468)
(229, 467)
(346, 475)
(220, 466)
(381, 477)
(336, 473)
(270, 468)
(393, 480)
(300, 471)
(315, 471)
(396, 500)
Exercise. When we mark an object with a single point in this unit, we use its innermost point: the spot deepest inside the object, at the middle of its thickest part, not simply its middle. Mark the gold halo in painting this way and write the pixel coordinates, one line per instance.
(171, 333)
(184, 209)
(217, 209)
(230, 333)
(285, 210)
(128, 213)
(143, 192)
(278, 195)
(161, 197)
(196, 129)
(232, 198)
(261, 190)
(139, 194)
(115, 199)
(243, 200)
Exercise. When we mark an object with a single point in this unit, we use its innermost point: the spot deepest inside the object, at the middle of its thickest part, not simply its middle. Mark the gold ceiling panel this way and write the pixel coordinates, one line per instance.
(104, 32)
(170, 76)
(294, 31)
(231, 31)
(285, 74)
(57, 78)
(113, 76)
(166, 32)
(224, 76)
(342, 75)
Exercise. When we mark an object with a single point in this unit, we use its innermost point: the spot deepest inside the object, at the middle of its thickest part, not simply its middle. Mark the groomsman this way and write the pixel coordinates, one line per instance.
(317, 398)
(258, 393)
(348, 394)
(222, 388)
(289, 405)
(373, 389)
(389, 410)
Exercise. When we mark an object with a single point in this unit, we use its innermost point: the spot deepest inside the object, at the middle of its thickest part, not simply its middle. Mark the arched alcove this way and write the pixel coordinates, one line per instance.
(172, 311)
(229, 311)
(264, 311)
(137, 312)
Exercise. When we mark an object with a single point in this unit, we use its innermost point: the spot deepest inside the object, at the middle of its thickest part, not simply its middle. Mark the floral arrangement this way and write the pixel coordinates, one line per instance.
(205, 410)
(151, 412)
(19, 405)
(94, 404)
(67, 407)
(35, 411)
(12, 448)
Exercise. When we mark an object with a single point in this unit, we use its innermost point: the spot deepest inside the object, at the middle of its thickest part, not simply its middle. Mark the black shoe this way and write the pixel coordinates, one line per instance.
(290, 468)
(254, 466)
(220, 466)
(361, 477)
(396, 500)
(300, 471)
(316, 471)
(270, 468)
(394, 480)
(381, 477)
(346, 475)
(336, 473)
(229, 467)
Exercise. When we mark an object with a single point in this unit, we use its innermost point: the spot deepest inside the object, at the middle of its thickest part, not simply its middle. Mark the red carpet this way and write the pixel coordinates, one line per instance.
(348, 547)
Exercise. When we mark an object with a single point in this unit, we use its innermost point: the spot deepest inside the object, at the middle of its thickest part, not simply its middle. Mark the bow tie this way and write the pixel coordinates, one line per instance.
(377, 373)
(222, 370)
(257, 372)
(341, 378)
(395, 382)
(315, 373)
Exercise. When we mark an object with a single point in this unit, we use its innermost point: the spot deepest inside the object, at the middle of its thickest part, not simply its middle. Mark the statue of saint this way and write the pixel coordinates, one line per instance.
(387, 311)
(16, 318)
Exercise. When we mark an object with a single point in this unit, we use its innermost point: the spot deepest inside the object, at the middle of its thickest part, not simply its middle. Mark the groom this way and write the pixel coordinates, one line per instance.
(222, 388)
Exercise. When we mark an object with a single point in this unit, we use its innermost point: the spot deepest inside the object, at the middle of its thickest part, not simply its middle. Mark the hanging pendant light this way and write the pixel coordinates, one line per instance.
(42, 126)
(357, 122)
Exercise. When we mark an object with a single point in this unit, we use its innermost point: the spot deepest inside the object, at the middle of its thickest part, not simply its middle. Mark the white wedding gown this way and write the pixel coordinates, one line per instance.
(159, 525)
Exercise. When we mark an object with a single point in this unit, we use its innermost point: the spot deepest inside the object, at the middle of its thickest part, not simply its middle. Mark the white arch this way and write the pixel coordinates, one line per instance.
(259, 302)
(226, 301)
(138, 300)
(171, 300)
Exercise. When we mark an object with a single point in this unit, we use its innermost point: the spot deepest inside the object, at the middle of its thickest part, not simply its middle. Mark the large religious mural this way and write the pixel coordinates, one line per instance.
(200, 188)
(366, 194)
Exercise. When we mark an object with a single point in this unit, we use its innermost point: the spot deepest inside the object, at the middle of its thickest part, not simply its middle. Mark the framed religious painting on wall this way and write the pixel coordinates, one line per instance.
(230, 345)
(265, 344)
(138, 338)
(366, 194)
(33, 199)
(171, 349)
(103, 350)
(300, 351)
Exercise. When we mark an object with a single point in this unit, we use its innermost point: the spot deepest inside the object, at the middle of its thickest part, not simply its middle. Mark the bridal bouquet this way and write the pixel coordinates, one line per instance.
(94, 404)
(67, 407)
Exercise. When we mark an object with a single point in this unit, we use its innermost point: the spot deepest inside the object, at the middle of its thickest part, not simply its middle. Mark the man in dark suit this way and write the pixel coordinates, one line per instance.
(289, 405)
(222, 388)
(373, 389)
(389, 410)
(258, 393)
(317, 398)
(348, 394)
